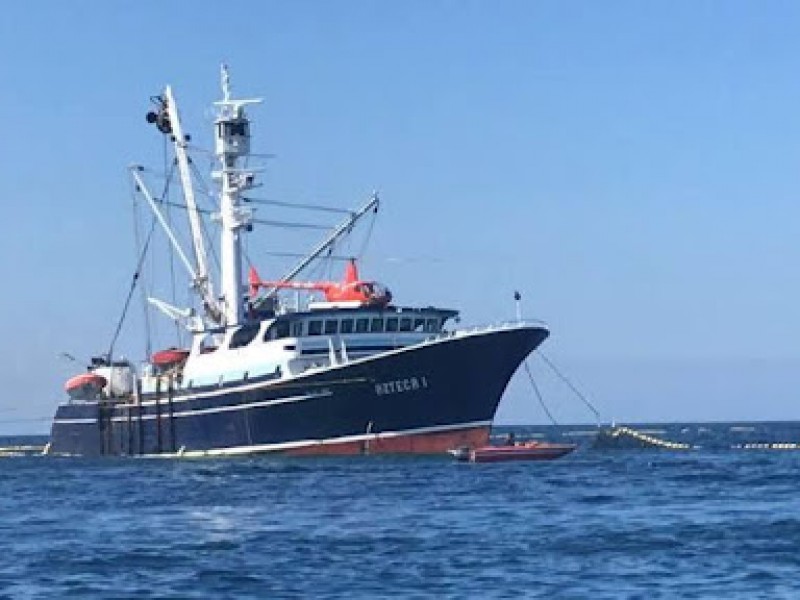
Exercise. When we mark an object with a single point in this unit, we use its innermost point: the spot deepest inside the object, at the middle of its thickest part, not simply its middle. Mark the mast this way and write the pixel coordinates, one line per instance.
(202, 281)
(232, 144)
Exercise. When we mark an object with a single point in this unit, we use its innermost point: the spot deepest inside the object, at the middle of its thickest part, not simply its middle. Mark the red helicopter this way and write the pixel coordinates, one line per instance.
(352, 289)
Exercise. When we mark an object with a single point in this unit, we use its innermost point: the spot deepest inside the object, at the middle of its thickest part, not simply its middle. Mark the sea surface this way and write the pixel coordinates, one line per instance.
(719, 521)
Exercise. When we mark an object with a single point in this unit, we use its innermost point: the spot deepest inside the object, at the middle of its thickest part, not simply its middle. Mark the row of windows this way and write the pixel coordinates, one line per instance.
(372, 325)
(283, 329)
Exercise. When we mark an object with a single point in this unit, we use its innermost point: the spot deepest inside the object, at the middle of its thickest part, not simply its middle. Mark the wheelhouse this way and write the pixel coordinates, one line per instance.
(358, 321)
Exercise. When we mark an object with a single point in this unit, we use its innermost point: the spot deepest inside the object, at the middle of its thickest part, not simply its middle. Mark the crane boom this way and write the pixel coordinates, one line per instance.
(202, 279)
(344, 228)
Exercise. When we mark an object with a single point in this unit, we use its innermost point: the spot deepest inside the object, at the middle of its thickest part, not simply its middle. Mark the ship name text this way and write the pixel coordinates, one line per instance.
(397, 386)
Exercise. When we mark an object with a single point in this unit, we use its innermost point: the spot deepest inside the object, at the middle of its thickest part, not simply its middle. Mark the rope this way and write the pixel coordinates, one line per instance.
(369, 233)
(577, 392)
(137, 240)
(206, 193)
(317, 207)
(137, 272)
(173, 287)
(539, 394)
(301, 255)
(134, 281)
(271, 223)
(292, 224)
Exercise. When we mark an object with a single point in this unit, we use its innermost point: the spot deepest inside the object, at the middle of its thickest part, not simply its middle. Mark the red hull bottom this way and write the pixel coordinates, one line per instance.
(417, 443)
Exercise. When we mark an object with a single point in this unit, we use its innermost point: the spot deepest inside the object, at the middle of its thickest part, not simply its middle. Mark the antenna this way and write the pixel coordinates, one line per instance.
(225, 78)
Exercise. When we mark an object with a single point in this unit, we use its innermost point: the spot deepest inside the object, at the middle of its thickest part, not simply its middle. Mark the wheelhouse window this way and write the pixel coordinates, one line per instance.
(297, 329)
(315, 328)
(362, 325)
(405, 324)
(376, 326)
(346, 326)
(331, 327)
(282, 329)
(232, 128)
(391, 324)
(243, 336)
(278, 330)
(419, 325)
(432, 325)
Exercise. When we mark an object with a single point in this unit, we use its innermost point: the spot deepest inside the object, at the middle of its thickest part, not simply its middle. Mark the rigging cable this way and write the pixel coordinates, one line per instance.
(539, 394)
(299, 206)
(138, 241)
(169, 170)
(368, 237)
(132, 289)
(271, 223)
(137, 274)
(571, 386)
(206, 193)
(173, 294)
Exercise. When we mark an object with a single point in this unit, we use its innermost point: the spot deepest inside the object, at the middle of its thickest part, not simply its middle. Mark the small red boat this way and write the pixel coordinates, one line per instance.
(169, 357)
(526, 451)
(85, 386)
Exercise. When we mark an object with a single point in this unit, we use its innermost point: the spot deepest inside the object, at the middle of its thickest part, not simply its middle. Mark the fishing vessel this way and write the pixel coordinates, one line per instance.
(348, 371)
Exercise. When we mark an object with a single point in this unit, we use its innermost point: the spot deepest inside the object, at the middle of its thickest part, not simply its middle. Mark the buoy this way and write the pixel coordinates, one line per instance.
(627, 437)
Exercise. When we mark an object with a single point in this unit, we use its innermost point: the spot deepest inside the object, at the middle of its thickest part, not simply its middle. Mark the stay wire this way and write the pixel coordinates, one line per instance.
(297, 205)
(132, 289)
(571, 386)
(137, 273)
(205, 193)
(368, 236)
(138, 242)
(539, 394)
(271, 223)
(164, 198)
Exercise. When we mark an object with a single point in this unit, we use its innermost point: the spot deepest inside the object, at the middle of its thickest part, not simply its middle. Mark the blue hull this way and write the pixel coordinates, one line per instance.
(446, 386)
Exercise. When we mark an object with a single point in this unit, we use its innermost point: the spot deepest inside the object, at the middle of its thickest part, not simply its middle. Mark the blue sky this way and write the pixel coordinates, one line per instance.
(633, 168)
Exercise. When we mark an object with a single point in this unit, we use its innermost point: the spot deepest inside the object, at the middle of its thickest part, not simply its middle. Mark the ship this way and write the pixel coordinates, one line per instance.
(349, 371)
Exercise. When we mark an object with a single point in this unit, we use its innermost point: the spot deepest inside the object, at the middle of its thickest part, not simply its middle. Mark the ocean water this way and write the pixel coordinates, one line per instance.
(710, 523)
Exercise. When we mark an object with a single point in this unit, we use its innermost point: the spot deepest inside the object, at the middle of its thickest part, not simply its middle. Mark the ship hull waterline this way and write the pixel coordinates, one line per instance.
(425, 399)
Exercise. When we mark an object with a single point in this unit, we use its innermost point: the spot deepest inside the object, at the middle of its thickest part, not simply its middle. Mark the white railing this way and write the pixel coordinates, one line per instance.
(488, 327)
